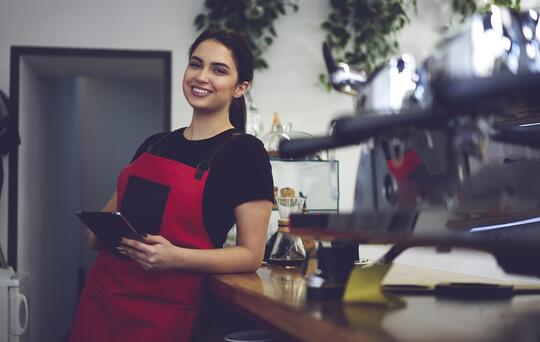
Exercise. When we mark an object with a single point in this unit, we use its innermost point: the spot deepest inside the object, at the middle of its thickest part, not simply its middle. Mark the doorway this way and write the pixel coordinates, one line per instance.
(81, 114)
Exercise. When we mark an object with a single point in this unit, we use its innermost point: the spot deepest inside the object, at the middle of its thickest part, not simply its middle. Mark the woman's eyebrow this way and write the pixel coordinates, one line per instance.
(198, 59)
(220, 64)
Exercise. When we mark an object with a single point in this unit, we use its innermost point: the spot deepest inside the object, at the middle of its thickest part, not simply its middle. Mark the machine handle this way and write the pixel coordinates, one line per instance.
(351, 130)
(331, 65)
(519, 136)
(19, 329)
(355, 129)
(297, 148)
(479, 94)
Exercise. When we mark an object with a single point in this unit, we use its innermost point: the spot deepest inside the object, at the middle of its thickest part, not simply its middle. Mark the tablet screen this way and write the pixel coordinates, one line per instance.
(109, 227)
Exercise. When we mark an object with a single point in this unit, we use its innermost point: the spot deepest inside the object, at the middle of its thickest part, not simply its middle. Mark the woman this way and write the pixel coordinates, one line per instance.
(185, 190)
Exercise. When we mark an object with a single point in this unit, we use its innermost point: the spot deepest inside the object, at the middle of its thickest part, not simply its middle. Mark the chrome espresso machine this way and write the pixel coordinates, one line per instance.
(450, 147)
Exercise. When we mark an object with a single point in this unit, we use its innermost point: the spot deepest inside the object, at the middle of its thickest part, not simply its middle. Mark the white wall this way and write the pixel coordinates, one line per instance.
(122, 24)
(290, 86)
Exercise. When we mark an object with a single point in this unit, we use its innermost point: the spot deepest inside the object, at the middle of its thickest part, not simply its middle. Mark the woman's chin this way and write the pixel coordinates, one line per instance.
(198, 103)
(203, 109)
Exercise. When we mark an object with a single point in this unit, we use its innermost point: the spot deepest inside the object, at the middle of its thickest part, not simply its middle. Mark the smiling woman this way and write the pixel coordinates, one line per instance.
(225, 62)
(211, 79)
(184, 189)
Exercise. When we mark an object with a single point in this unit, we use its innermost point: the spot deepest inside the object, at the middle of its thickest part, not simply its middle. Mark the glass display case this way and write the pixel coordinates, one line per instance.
(317, 181)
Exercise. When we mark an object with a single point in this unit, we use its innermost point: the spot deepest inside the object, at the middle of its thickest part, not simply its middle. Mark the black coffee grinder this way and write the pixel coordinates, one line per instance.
(334, 264)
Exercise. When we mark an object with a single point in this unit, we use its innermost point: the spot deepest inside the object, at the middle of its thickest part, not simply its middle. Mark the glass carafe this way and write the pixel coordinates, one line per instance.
(288, 250)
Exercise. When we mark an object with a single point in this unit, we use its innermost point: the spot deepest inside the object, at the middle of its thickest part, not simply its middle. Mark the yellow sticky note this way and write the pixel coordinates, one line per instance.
(364, 286)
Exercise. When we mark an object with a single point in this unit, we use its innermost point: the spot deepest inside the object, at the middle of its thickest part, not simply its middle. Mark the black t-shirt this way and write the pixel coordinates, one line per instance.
(240, 173)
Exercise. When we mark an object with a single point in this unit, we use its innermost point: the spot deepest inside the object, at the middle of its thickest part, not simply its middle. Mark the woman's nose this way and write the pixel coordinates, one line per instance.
(202, 76)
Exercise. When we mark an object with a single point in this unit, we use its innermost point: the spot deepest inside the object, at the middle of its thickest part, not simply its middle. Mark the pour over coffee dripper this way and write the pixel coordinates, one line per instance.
(288, 250)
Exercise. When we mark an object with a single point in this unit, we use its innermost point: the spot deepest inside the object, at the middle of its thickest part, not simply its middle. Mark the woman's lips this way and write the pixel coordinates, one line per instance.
(200, 92)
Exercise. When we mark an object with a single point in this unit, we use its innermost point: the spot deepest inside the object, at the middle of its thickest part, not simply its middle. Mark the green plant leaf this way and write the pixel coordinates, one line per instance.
(261, 64)
(365, 29)
(268, 40)
(199, 21)
(254, 18)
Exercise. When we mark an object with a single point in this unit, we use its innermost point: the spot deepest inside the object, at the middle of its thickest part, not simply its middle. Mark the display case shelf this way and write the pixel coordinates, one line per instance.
(317, 180)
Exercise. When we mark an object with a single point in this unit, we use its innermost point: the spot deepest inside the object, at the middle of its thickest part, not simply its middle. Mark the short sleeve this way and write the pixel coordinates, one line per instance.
(247, 170)
(145, 145)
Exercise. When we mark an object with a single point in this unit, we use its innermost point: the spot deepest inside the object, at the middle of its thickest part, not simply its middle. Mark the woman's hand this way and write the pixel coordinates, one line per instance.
(154, 253)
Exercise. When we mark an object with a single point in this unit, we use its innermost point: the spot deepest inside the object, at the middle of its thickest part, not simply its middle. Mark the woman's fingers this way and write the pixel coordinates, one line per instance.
(149, 254)
(142, 247)
(147, 239)
(154, 239)
(146, 260)
(145, 265)
(132, 252)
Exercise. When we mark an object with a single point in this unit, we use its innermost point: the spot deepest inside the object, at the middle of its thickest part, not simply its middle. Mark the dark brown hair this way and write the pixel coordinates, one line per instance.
(243, 58)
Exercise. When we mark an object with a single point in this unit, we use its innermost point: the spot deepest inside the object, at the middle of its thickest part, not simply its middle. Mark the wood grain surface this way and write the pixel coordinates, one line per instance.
(276, 298)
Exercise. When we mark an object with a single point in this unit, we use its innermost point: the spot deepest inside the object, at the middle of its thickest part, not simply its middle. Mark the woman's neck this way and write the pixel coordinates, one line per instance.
(206, 126)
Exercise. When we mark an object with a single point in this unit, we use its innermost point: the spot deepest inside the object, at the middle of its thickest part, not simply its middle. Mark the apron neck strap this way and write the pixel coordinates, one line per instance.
(154, 147)
(206, 164)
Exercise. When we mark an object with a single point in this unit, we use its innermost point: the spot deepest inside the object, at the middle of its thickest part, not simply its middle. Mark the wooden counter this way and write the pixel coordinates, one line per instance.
(276, 298)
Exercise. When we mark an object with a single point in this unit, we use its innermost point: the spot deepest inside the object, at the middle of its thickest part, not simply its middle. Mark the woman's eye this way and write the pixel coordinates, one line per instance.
(220, 71)
(195, 64)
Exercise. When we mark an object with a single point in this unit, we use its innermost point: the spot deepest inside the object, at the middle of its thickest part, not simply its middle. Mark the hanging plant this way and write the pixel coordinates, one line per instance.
(466, 8)
(363, 32)
(253, 18)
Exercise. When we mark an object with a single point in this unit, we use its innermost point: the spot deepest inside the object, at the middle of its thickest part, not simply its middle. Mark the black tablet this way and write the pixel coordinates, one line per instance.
(109, 227)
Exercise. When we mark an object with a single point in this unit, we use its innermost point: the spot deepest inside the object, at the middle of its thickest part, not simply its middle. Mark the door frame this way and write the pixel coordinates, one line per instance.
(17, 53)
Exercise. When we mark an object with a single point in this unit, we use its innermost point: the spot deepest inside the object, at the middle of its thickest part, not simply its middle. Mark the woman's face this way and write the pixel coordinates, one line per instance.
(211, 76)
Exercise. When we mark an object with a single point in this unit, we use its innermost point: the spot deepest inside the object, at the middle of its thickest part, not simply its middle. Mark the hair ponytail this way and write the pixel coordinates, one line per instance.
(243, 58)
(238, 114)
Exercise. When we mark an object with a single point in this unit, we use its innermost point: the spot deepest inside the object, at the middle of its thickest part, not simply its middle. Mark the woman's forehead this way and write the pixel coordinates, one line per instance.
(212, 51)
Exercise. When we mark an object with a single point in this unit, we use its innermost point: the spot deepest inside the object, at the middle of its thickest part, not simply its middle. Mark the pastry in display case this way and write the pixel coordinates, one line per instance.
(312, 181)
(300, 186)
(316, 181)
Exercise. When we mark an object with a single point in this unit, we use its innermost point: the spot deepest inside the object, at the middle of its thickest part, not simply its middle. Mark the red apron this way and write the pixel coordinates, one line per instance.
(123, 302)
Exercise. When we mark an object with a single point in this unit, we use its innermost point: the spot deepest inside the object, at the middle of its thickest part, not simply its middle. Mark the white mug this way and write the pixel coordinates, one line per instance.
(17, 328)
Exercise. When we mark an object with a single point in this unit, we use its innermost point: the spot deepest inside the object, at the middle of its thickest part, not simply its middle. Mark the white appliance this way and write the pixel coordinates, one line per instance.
(13, 307)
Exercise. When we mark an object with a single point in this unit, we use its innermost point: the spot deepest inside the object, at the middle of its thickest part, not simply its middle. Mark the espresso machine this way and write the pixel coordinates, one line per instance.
(450, 147)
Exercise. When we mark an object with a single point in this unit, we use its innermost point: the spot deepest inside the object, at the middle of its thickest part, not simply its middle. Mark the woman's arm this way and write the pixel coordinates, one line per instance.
(251, 223)
(92, 240)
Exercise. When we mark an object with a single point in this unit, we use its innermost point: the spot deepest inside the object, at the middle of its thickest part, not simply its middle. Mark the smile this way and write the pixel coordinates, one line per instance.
(200, 91)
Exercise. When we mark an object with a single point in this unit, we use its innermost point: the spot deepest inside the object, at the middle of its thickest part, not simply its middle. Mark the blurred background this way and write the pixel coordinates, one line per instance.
(143, 90)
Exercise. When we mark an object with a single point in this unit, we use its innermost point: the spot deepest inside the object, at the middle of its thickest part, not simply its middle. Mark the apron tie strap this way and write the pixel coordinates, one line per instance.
(207, 163)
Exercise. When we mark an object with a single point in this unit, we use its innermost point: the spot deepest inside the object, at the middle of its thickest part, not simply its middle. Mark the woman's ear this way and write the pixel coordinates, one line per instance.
(241, 89)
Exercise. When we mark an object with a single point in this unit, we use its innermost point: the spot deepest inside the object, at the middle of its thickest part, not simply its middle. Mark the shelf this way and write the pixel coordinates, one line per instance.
(318, 180)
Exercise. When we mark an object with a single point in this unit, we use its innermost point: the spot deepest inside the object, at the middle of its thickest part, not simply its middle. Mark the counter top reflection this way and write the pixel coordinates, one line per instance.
(276, 298)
